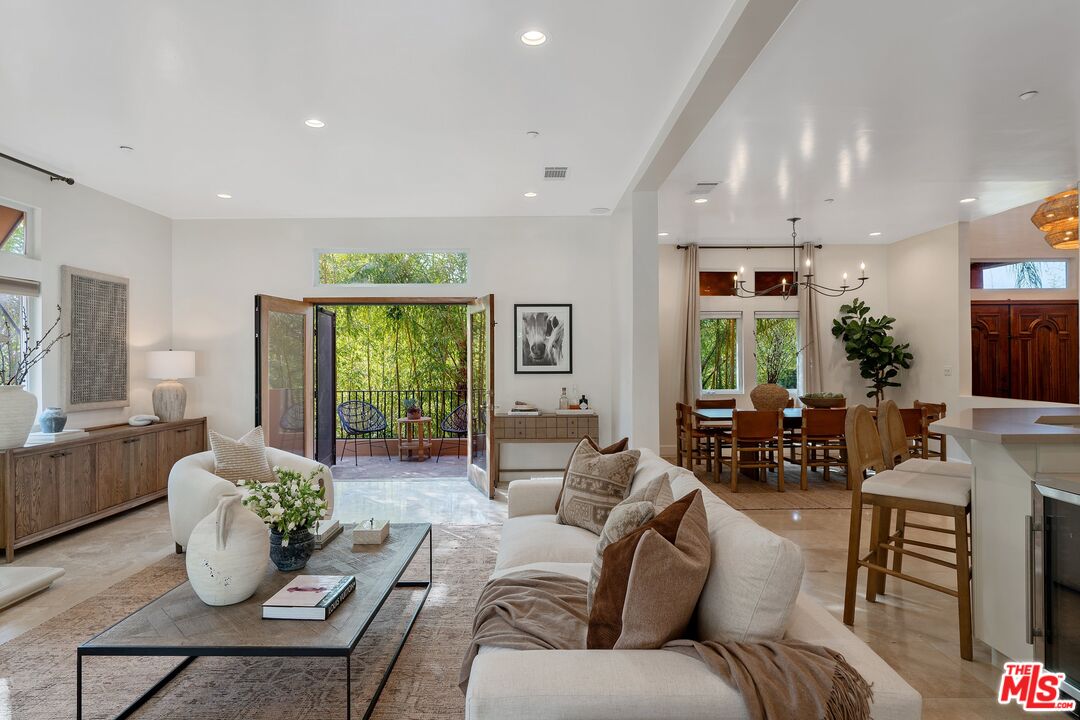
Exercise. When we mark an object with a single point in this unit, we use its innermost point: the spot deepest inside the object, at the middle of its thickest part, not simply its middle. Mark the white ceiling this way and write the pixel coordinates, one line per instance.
(426, 103)
(896, 110)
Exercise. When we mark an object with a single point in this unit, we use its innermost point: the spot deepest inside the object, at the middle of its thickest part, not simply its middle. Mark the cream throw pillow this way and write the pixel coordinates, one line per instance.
(626, 517)
(243, 459)
(595, 483)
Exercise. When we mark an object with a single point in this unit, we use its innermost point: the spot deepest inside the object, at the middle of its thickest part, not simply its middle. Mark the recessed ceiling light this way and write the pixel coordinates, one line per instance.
(600, 211)
(875, 234)
(127, 147)
(533, 133)
(1028, 94)
(530, 194)
(314, 123)
(701, 201)
(829, 200)
(533, 37)
(224, 196)
(969, 199)
(662, 234)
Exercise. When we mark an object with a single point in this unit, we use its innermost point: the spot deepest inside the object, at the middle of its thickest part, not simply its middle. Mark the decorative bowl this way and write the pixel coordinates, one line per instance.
(834, 401)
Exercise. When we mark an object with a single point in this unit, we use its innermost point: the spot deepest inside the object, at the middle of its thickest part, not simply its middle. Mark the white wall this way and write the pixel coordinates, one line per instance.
(74, 225)
(832, 261)
(1011, 236)
(219, 266)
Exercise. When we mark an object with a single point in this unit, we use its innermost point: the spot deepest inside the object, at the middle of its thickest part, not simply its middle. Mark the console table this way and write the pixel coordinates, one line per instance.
(543, 428)
(49, 489)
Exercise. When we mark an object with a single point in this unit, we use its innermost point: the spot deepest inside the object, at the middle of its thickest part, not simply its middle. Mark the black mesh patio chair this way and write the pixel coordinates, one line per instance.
(358, 419)
(456, 423)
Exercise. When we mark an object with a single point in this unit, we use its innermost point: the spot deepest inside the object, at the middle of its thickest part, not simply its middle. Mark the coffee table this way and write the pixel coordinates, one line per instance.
(179, 624)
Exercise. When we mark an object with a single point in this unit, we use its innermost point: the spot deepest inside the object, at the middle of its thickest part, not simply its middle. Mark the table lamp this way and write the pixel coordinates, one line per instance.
(169, 366)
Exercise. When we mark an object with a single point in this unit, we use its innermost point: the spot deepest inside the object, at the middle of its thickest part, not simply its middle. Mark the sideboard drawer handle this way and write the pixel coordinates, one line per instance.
(60, 454)
(184, 430)
(132, 440)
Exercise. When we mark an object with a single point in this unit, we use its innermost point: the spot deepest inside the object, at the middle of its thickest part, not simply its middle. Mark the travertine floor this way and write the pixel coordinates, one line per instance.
(913, 628)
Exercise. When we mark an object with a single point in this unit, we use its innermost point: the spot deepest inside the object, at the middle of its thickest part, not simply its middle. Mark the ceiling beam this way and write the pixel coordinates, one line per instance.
(745, 32)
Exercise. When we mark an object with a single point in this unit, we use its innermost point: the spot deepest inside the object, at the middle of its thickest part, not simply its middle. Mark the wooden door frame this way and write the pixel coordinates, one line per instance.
(264, 305)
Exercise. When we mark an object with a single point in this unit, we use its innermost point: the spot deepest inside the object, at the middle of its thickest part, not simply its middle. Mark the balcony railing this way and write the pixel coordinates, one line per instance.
(435, 404)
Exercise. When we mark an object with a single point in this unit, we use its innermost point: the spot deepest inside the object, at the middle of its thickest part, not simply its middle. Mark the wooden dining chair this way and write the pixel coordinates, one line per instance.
(758, 434)
(914, 428)
(821, 442)
(887, 491)
(715, 403)
(693, 443)
(931, 413)
(712, 426)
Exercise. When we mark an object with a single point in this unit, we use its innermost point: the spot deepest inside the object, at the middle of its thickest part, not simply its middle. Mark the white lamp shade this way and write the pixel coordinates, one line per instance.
(170, 364)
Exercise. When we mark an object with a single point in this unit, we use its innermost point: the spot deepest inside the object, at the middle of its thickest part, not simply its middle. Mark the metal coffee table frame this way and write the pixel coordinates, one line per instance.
(190, 653)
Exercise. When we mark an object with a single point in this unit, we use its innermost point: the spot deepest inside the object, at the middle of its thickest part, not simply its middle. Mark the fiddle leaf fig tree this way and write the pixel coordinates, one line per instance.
(867, 340)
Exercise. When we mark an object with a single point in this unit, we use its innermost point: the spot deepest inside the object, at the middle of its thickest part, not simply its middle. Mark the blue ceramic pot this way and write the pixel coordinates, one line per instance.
(296, 554)
(52, 420)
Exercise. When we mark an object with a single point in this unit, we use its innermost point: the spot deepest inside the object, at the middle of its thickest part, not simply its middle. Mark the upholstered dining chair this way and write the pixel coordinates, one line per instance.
(759, 435)
(904, 492)
(822, 442)
(931, 413)
(359, 419)
(455, 423)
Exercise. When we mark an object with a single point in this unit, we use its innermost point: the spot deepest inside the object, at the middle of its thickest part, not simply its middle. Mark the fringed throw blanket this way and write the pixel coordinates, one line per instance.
(778, 680)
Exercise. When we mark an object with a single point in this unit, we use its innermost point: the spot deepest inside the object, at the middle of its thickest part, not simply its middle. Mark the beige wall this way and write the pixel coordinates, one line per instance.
(75, 225)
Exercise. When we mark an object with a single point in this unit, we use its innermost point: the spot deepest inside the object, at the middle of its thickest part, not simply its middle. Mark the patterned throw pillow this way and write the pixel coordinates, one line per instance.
(595, 483)
(651, 580)
(243, 459)
(609, 450)
(626, 517)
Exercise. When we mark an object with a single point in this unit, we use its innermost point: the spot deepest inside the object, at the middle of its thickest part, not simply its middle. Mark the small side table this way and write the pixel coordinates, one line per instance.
(414, 439)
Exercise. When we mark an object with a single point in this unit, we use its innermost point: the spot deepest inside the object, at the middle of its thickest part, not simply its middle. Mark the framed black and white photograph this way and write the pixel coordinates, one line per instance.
(544, 339)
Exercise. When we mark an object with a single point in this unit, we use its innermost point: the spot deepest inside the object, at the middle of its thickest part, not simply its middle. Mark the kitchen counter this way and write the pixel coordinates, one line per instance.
(1010, 448)
(1013, 425)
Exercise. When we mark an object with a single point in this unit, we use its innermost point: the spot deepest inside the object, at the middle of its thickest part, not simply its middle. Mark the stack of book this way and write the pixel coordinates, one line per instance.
(523, 408)
(44, 438)
(309, 597)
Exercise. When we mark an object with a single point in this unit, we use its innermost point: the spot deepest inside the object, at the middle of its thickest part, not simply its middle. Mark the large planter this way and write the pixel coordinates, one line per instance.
(226, 554)
(769, 397)
(295, 555)
(17, 411)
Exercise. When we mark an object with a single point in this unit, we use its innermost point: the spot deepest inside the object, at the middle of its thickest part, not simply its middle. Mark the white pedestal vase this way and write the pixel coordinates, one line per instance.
(227, 553)
(17, 411)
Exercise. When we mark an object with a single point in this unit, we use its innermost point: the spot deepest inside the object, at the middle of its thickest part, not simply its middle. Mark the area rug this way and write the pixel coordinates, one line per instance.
(762, 495)
(37, 669)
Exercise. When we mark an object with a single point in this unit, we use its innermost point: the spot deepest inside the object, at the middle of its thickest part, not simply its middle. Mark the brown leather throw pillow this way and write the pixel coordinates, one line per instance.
(615, 447)
(651, 579)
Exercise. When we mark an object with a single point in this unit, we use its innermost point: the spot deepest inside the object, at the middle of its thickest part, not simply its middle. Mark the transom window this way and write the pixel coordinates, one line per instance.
(1020, 275)
(12, 230)
(398, 268)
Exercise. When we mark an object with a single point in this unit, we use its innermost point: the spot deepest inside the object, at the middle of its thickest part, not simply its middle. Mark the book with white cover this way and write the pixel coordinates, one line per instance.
(309, 597)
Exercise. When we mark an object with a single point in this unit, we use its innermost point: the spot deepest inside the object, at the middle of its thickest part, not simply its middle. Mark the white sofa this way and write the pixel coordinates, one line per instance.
(194, 489)
(753, 578)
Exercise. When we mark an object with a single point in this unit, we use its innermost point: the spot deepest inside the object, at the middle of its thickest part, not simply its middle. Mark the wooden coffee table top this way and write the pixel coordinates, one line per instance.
(179, 623)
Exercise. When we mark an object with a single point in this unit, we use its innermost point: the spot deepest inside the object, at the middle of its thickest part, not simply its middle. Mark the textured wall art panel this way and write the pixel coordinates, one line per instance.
(96, 308)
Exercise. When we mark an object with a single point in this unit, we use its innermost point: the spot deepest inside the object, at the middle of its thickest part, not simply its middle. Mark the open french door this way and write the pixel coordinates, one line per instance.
(284, 373)
(480, 331)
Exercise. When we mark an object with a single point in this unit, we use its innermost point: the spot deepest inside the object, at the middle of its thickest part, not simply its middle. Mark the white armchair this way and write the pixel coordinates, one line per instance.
(194, 489)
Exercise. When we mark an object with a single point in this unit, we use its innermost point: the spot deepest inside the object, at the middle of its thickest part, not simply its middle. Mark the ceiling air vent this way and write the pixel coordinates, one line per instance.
(703, 188)
(555, 173)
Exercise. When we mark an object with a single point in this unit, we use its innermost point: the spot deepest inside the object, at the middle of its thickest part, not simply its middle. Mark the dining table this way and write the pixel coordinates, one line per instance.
(721, 417)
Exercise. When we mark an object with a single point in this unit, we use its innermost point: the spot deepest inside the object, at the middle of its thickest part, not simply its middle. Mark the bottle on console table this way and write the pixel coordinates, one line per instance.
(564, 402)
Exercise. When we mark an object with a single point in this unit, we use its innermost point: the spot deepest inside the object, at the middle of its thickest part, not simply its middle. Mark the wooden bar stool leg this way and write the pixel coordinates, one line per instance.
(963, 581)
(854, 540)
(898, 558)
(871, 574)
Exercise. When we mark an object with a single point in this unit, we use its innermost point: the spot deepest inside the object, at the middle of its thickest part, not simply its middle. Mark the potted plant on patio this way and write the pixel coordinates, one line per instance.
(412, 408)
(291, 507)
(867, 341)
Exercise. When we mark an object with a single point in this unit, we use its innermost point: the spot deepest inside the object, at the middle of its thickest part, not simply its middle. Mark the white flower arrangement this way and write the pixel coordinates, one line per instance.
(293, 503)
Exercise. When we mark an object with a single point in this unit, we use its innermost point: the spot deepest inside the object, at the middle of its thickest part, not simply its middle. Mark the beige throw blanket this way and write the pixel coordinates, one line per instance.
(778, 680)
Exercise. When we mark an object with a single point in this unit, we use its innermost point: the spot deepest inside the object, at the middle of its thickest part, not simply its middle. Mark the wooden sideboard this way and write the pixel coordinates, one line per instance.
(543, 428)
(50, 489)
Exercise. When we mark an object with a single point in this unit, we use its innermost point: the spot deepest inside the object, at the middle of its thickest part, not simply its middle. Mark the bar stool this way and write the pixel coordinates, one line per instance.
(889, 490)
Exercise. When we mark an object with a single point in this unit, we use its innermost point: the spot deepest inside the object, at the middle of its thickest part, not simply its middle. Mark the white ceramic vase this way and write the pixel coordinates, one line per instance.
(227, 553)
(17, 411)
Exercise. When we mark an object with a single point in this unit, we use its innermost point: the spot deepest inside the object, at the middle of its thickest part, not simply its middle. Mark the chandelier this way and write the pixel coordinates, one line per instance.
(807, 283)
(1057, 218)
